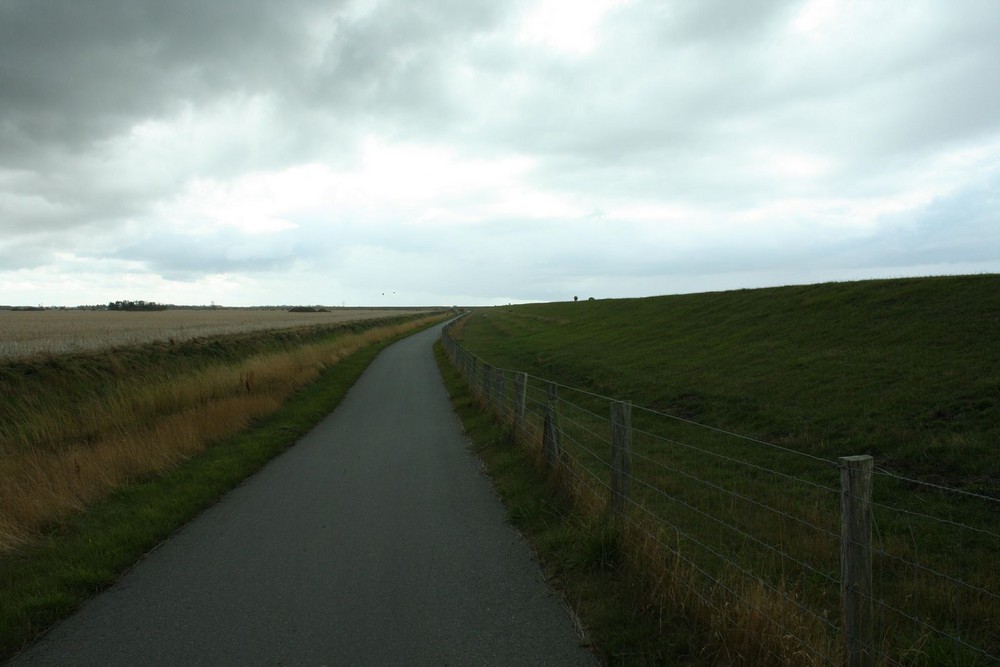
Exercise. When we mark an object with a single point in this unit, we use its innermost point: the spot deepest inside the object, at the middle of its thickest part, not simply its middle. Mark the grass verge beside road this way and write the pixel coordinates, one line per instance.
(580, 556)
(49, 577)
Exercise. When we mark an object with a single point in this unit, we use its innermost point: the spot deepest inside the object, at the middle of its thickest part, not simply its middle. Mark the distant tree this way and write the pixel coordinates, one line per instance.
(308, 309)
(576, 298)
(136, 305)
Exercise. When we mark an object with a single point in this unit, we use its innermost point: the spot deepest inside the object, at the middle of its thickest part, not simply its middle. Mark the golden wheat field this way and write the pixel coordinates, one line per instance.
(24, 333)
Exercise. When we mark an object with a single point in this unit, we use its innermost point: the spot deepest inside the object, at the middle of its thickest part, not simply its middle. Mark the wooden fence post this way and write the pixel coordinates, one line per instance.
(856, 560)
(550, 437)
(621, 456)
(520, 402)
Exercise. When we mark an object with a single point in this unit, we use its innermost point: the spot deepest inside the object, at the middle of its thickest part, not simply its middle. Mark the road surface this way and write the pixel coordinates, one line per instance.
(375, 540)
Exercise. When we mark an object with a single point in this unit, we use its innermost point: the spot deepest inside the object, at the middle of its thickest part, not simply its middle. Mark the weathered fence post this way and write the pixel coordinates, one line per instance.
(550, 437)
(621, 456)
(856, 560)
(520, 402)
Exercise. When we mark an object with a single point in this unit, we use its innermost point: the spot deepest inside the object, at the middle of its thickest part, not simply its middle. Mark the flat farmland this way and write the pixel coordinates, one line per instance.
(24, 333)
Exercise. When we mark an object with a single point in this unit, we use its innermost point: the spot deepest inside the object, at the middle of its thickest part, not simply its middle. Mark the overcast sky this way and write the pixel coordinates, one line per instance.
(405, 152)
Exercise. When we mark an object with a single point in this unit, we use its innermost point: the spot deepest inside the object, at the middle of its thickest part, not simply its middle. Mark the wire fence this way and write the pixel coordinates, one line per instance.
(753, 541)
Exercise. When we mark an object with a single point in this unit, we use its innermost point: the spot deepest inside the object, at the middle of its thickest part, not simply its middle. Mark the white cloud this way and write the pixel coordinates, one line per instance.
(475, 151)
(820, 16)
(568, 26)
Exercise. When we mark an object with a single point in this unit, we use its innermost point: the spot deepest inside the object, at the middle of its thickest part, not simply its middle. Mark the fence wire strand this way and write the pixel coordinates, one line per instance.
(580, 428)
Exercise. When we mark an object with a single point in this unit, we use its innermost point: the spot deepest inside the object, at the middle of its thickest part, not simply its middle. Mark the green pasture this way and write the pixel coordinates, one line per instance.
(789, 380)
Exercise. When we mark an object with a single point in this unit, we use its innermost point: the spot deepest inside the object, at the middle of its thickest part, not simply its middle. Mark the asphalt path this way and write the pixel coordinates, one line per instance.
(375, 540)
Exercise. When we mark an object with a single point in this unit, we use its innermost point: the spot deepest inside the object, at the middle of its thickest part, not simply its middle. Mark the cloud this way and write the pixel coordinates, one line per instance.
(78, 73)
(492, 150)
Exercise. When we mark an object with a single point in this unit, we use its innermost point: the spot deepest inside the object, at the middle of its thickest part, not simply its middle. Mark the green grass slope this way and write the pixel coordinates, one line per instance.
(906, 370)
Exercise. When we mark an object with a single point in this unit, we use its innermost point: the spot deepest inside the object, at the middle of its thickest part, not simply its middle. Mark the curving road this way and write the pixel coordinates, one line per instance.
(375, 540)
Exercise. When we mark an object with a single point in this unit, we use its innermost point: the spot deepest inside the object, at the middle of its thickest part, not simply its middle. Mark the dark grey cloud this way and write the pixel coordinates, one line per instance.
(74, 73)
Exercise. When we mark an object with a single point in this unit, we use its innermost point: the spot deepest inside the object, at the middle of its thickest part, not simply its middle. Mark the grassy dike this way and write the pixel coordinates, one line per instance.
(49, 577)
(580, 556)
(904, 370)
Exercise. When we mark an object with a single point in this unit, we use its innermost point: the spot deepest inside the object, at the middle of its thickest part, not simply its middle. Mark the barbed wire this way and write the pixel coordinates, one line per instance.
(739, 531)
(591, 478)
(505, 403)
(593, 454)
(728, 561)
(954, 580)
(704, 482)
(737, 495)
(601, 418)
(566, 419)
(678, 553)
(664, 439)
(939, 487)
(747, 438)
(918, 621)
(734, 460)
(754, 465)
(679, 419)
(936, 519)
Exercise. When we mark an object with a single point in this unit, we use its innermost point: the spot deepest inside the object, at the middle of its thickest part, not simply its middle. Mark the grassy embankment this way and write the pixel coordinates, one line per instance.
(904, 370)
(104, 454)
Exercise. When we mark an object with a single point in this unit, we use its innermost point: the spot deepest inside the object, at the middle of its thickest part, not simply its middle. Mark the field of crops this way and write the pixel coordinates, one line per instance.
(24, 333)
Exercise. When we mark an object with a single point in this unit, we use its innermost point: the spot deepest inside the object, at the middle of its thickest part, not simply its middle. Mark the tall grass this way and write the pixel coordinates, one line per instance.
(734, 619)
(66, 446)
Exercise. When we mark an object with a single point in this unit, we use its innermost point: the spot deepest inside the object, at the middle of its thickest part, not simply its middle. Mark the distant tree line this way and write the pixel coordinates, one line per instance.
(308, 309)
(136, 305)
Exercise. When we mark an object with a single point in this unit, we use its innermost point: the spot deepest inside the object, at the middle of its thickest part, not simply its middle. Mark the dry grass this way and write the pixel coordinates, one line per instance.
(147, 426)
(749, 623)
(24, 333)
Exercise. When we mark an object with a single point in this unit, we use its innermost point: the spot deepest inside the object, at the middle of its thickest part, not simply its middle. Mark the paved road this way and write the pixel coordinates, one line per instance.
(375, 540)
